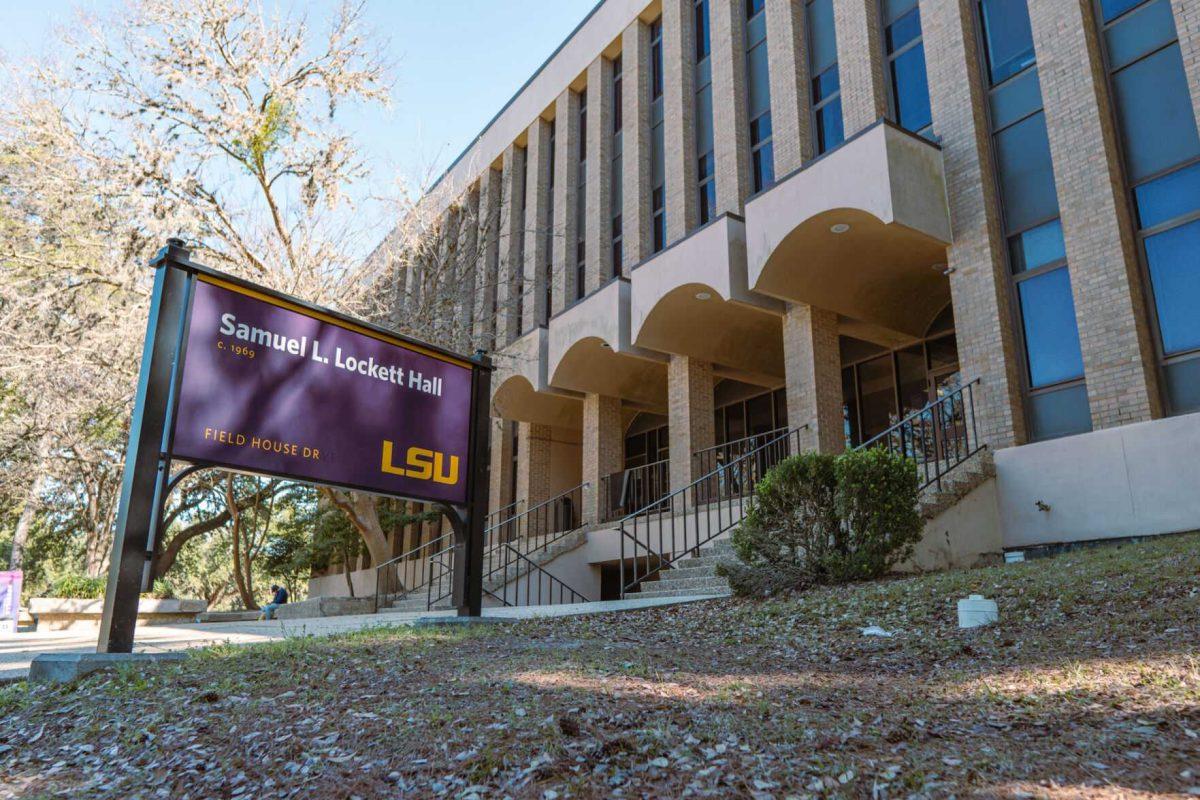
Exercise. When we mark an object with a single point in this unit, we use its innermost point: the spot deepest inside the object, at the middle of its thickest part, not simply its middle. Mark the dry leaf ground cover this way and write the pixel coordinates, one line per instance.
(1089, 687)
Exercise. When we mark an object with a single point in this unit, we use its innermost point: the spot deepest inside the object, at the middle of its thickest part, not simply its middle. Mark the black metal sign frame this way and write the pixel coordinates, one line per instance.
(147, 479)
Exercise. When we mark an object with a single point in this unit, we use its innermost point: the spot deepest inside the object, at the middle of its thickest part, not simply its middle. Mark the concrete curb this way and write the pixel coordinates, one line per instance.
(67, 667)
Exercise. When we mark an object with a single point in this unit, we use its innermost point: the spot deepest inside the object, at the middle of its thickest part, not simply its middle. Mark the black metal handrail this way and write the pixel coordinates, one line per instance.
(938, 437)
(407, 572)
(441, 565)
(635, 488)
(687, 519)
(710, 459)
(541, 588)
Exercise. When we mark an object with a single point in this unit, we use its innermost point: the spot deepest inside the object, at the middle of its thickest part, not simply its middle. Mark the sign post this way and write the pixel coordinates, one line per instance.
(240, 377)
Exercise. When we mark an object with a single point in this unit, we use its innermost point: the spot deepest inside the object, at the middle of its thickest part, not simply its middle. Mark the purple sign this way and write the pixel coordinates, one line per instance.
(10, 600)
(270, 386)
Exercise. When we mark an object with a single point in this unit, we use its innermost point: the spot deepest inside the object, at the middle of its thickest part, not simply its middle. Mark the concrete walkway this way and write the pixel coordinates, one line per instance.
(18, 650)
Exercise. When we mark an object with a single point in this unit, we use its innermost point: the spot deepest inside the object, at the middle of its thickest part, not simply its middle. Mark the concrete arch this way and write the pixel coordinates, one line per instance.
(592, 365)
(516, 398)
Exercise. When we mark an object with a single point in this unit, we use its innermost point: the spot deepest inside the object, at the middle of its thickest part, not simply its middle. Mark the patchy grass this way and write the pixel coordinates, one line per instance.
(1088, 687)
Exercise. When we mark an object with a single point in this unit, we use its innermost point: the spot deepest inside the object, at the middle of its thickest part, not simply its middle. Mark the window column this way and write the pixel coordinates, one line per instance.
(1114, 334)
(790, 95)
(758, 97)
(979, 276)
(581, 202)
(905, 75)
(864, 98)
(704, 24)
(728, 102)
(598, 190)
(548, 279)
(488, 250)
(616, 173)
(658, 141)
(637, 237)
(1187, 24)
(566, 199)
(825, 91)
(512, 244)
(537, 223)
(679, 98)
(1149, 70)
(465, 269)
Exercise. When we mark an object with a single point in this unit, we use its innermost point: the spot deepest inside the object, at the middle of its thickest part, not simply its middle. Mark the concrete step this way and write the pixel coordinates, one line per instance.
(686, 570)
(704, 585)
(718, 591)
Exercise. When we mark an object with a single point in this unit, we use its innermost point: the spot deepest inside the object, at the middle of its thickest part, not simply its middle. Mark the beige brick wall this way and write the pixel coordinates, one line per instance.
(791, 97)
(512, 256)
(468, 260)
(1187, 25)
(488, 250)
(980, 284)
(603, 449)
(860, 63)
(813, 365)
(731, 130)
(500, 472)
(635, 143)
(679, 98)
(690, 415)
(566, 163)
(1114, 330)
(537, 222)
(598, 225)
(533, 464)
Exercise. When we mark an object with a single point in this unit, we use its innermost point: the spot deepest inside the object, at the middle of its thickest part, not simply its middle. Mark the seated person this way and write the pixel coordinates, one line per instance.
(280, 598)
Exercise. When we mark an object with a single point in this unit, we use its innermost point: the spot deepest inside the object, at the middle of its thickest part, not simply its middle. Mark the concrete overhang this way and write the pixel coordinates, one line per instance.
(692, 299)
(590, 350)
(521, 391)
(861, 231)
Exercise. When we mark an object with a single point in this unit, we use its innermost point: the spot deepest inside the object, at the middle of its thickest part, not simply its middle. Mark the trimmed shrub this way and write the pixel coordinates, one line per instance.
(79, 586)
(818, 519)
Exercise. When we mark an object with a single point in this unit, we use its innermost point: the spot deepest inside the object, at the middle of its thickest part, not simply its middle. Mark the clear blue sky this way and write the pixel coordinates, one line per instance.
(457, 62)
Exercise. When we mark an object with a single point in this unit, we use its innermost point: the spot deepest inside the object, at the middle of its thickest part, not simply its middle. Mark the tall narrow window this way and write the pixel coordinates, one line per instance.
(904, 49)
(548, 276)
(518, 279)
(758, 96)
(1057, 397)
(581, 202)
(1162, 167)
(658, 190)
(615, 193)
(706, 179)
(826, 86)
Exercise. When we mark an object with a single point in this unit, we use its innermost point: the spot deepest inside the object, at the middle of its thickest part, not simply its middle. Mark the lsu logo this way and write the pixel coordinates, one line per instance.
(422, 464)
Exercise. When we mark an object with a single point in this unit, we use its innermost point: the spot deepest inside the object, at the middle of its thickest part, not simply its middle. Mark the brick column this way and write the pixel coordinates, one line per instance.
(537, 222)
(731, 128)
(1110, 305)
(466, 269)
(512, 259)
(598, 226)
(566, 184)
(488, 250)
(980, 284)
(690, 415)
(791, 97)
(813, 365)
(679, 131)
(1187, 25)
(500, 474)
(635, 143)
(603, 450)
(860, 63)
(533, 469)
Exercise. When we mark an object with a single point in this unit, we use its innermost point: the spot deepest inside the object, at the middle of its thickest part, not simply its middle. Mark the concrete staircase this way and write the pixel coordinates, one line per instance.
(532, 547)
(957, 485)
(694, 575)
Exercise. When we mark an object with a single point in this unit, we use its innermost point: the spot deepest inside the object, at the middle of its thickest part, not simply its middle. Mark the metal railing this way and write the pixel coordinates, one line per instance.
(712, 459)
(531, 585)
(938, 437)
(632, 489)
(679, 524)
(407, 572)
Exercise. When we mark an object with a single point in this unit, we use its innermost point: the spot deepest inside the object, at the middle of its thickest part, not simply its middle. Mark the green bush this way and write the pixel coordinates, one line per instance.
(818, 519)
(77, 586)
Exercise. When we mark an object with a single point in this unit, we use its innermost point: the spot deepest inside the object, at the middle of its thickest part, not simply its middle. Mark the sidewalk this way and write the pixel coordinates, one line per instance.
(18, 650)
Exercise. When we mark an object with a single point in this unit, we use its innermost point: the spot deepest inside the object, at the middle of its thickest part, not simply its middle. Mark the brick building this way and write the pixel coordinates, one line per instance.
(725, 218)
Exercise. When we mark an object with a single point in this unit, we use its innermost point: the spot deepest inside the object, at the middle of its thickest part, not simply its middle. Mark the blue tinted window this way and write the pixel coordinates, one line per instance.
(1038, 246)
(1062, 412)
(1007, 36)
(910, 89)
(829, 126)
(1026, 177)
(1115, 8)
(703, 44)
(758, 80)
(903, 30)
(1168, 197)
(1140, 33)
(753, 7)
(764, 166)
(1051, 335)
(826, 84)
(821, 34)
(1175, 278)
(1183, 386)
(1155, 113)
(1018, 98)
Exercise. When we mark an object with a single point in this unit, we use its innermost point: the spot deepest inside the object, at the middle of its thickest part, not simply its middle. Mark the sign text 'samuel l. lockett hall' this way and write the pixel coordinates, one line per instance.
(273, 387)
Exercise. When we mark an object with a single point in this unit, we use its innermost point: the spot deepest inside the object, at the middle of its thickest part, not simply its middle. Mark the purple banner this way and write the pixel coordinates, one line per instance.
(10, 600)
(272, 387)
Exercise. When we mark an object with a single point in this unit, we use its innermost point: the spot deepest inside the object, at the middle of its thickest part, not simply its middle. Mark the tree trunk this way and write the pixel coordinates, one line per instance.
(363, 514)
(346, 573)
(240, 579)
(25, 521)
